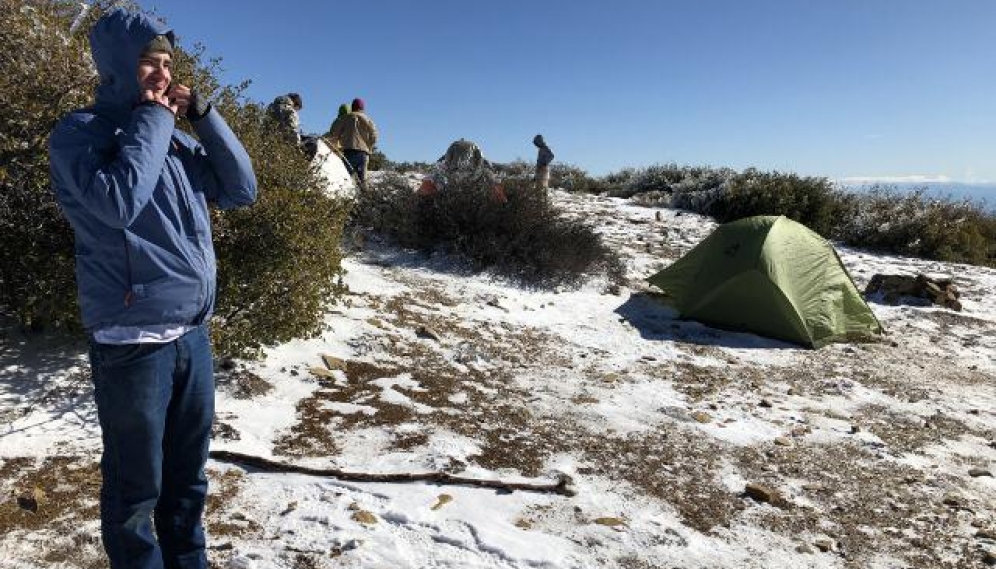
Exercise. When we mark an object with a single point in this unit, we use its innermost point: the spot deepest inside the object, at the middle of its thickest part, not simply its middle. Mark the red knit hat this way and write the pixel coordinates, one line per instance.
(357, 104)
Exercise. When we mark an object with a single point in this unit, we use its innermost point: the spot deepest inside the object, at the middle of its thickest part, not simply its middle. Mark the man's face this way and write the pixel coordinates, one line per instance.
(154, 72)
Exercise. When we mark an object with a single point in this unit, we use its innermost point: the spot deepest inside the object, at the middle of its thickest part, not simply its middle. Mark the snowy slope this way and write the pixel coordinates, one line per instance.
(661, 424)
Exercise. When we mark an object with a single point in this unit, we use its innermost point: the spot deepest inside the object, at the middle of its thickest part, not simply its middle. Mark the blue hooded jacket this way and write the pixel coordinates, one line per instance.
(136, 191)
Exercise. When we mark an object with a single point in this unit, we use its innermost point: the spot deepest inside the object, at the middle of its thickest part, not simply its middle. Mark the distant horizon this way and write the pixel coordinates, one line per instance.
(840, 89)
(982, 194)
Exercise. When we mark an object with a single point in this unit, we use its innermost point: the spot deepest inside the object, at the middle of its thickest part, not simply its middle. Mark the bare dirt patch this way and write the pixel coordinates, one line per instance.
(673, 464)
(911, 433)
(54, 502)
(867, 505)
(242, 384)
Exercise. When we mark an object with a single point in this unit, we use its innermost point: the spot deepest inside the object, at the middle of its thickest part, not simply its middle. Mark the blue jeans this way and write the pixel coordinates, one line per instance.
(358, 161)
(155, 403)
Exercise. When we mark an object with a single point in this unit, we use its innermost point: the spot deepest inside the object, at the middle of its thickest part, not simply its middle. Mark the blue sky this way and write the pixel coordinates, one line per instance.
(842, 88)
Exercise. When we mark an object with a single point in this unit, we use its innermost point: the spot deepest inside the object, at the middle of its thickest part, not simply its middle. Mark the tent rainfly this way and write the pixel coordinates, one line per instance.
(771, 276)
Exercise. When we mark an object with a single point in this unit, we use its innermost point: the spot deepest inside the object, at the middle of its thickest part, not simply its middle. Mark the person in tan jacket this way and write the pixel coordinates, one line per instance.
(356, 134)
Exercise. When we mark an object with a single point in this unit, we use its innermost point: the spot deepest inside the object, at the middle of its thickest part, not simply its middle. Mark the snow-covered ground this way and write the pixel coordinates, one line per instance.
(864, 453)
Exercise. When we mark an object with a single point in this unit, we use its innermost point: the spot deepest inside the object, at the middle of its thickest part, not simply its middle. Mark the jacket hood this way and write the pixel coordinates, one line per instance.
(538, 140)
(117, 41)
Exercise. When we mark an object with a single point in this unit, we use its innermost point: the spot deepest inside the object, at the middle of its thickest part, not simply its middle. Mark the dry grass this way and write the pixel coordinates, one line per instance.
(54, 503)
(867, 505)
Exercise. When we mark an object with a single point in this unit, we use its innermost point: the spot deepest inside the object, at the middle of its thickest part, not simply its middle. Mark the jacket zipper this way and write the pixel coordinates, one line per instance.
(182, 191)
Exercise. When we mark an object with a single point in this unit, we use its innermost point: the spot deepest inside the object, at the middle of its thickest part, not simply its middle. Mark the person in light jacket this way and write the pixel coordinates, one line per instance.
(284, 111)
(136, 190)
(543, 159)
(356, 134)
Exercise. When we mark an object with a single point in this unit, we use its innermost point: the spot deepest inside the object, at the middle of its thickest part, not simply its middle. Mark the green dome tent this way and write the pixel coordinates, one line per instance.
(771, 276)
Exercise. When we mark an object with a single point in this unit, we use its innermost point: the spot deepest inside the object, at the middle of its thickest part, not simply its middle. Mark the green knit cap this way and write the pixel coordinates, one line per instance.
(159, 43)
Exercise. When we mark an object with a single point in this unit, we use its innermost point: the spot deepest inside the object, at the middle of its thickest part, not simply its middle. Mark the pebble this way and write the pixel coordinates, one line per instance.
(783, 441)
(701, 417)
(824, 544)
(364, 517)
(761, 493)
(978, 472)
(427, 333)
(953, 501)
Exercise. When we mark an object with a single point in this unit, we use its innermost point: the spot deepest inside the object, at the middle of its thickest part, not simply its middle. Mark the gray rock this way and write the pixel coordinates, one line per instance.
(979, 472)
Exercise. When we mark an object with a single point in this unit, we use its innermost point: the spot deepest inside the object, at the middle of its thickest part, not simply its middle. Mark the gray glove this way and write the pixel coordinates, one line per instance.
(198, 107)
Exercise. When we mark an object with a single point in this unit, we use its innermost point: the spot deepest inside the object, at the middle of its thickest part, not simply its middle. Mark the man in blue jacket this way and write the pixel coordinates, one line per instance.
(136, 192)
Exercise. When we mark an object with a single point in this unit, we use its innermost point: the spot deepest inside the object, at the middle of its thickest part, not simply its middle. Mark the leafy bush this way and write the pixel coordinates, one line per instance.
(884, 219)
(522, 237)
(514, 169)
(378, 161)
(573, 179)
(562, 176)
(46, 71)
(812, 201)
(278, 262)
(409, 167)
(913, 224)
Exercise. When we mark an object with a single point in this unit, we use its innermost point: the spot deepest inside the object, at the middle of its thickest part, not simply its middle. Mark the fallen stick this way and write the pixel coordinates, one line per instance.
(564, 485)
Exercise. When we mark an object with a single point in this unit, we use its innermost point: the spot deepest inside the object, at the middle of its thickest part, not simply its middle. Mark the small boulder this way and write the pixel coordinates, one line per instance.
(915, 290)
(986, 533)
(614, 523)
(701, 417)
(427, 333)
(364, 517)
(332, 362)
(442, 501)
(825, 544)
(762, 493)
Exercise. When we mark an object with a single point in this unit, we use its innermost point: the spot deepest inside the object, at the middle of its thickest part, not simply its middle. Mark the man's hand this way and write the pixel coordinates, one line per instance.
(179, 97)
(161, 98)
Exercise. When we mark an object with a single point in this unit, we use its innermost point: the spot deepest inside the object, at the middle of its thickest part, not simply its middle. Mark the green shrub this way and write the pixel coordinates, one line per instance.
(616, 181)
(278, 262)
(573, 179)
(913, 224)
(514, 169)
(46, 72)
(666, 185)
(812, 201)
(377, 161)
(522, 237)
(562, 176)
(409, 167)
(389, 205)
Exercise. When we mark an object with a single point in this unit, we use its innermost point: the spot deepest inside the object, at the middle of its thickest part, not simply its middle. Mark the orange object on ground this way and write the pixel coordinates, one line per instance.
(498, 193)
(427, 188)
